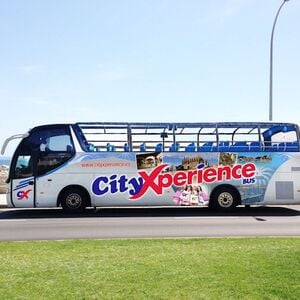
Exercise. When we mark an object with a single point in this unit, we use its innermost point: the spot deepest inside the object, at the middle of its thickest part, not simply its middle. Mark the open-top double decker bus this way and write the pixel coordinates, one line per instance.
(220, 165)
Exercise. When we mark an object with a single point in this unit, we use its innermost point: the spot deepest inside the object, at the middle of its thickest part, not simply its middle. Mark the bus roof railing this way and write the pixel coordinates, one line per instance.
(169, 134)
(187, 124)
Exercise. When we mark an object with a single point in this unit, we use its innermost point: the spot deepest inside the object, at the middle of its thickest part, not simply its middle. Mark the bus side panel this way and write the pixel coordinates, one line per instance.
(49, 186)
(284, 186)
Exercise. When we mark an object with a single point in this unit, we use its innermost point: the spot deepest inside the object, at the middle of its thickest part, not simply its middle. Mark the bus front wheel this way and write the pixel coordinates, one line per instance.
(224, 198)
(73, 200)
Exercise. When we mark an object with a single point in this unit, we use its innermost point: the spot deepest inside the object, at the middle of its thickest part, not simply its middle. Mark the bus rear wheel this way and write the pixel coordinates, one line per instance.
(73, 200)
(224, 198)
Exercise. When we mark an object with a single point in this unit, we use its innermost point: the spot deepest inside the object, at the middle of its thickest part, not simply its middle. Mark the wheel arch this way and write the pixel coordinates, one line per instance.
(74, 186)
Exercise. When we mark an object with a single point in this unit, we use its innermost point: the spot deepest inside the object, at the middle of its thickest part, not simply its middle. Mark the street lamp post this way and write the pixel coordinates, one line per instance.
(271, 64)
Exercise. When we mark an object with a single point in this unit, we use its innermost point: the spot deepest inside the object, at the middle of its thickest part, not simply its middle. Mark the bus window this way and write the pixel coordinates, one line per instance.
(24, 167)
(55, 149)
(22, 164)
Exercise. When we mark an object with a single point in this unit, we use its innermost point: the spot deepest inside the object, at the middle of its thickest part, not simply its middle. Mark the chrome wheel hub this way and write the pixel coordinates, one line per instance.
(73, 200)
(225, 200)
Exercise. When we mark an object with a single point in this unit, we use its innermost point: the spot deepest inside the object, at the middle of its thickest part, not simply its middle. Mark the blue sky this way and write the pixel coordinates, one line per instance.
(146, 60)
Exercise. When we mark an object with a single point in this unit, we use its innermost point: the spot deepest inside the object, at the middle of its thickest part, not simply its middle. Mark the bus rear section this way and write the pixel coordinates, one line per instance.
(220, 165)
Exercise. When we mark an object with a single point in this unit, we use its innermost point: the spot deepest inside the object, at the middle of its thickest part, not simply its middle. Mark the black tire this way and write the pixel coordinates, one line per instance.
(73, 200)
(224, 198)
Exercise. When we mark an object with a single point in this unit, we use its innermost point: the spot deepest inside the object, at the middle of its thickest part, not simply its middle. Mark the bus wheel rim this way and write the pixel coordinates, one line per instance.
(73, 200)
(225, 199)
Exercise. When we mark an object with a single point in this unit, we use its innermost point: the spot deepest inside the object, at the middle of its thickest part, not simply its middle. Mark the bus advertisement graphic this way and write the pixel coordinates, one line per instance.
(190, 176)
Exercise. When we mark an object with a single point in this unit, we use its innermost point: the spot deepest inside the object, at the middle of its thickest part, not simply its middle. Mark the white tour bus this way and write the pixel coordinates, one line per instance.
(220, 165)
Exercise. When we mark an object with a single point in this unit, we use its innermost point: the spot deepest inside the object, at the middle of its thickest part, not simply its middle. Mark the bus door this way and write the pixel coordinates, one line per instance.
(23, 182)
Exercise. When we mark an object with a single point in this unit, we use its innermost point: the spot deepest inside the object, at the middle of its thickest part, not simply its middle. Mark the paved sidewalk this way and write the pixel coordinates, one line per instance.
(3, 200)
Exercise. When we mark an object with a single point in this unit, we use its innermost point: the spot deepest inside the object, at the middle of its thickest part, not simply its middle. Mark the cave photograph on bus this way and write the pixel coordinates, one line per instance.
(227, 159)
(148, 160)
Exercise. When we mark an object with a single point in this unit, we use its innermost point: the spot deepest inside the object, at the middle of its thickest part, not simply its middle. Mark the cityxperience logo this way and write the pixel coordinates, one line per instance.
(23, 194)
(157, 181)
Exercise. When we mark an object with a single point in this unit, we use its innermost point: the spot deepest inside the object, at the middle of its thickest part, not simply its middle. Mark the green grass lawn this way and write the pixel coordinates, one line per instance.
(238, 268)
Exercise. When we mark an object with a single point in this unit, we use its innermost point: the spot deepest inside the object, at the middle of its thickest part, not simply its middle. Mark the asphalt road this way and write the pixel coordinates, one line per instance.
(54, 224)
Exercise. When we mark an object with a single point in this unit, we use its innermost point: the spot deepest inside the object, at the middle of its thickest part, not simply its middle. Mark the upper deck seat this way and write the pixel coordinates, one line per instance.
(190, 147)
(159, 147)
(91, 147)
(240, 146)
(272, 148)
(126, 147)
(224, 146)
(174, 147)
(207, 147)
(256, 146)
(143, 147)
(110, 147)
